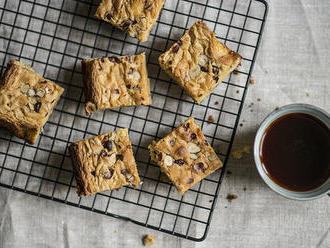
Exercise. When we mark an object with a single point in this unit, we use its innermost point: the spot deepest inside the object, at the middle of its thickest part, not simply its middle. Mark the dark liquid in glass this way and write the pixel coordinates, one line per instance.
(295, 152)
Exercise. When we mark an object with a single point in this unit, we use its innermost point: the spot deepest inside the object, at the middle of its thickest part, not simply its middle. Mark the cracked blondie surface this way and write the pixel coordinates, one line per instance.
(185, 156)
(112, 82)
(26, 101)
(135, 17)
(198, 62)
(104, 162)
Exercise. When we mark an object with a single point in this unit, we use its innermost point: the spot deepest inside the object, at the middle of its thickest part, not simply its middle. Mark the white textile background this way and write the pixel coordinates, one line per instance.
(292, 66)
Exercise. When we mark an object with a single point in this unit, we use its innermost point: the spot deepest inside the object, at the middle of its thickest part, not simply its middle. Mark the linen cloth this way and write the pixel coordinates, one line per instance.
(292, 66)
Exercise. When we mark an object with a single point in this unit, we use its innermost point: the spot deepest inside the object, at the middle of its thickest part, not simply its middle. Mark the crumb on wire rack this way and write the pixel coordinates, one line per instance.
(211, 119)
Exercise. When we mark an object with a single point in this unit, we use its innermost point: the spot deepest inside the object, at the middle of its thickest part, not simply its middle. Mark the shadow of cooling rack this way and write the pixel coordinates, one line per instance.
(55, 35)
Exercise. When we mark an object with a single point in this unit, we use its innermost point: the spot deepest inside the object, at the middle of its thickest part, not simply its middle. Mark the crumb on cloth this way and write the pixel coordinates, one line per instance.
(230, 197)
(148, 240)
(238, 153)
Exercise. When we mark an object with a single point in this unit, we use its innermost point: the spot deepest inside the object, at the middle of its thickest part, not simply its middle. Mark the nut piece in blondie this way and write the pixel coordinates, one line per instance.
(135, 17)
(198, 62)
(112, 82)
(185, 156)
(104, 162)
(26, 101)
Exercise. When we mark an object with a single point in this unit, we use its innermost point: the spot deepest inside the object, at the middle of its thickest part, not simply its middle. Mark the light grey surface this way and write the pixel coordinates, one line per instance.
(293, 60)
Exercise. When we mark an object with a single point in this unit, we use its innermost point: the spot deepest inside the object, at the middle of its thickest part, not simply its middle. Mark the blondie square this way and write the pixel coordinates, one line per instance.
(185, 156)
(104, 162)
(198, 62)
(135, 17)
(112, 82)
(26, 101)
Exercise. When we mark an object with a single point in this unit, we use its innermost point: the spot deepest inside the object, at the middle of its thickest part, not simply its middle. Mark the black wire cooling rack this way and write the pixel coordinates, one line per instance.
(55, 35)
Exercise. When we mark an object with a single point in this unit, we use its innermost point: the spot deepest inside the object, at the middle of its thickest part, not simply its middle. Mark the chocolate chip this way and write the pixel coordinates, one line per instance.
(170, 62)
(43, 82)
(215, 69)
(37, 107)
(115, 59)
(103, 153)
(126, 24)
(128, 86)
(199, 166)
(193, 136)
(186, 126)
(216, 79)
(206, 143)
(200, 95)
(119, 157)
(108, 174)
(130, 71)
(175, 49)
(180, 162)
(107, 144)
(124, 172)
(106, 138)
(134, 22)
(190, 180)
(204, 69)
(93, 173)
(108, 16)
(159, 156)
(102, 60)
(116, 91)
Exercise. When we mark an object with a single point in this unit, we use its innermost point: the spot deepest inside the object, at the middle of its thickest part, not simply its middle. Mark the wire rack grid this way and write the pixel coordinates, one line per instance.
(55, 35)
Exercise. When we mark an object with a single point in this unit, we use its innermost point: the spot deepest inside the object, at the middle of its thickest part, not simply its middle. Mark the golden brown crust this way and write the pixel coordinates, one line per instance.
(136, 17)
(185, 156)
(26, 101)
(116, 81)
(104, 162)
(198, 62)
